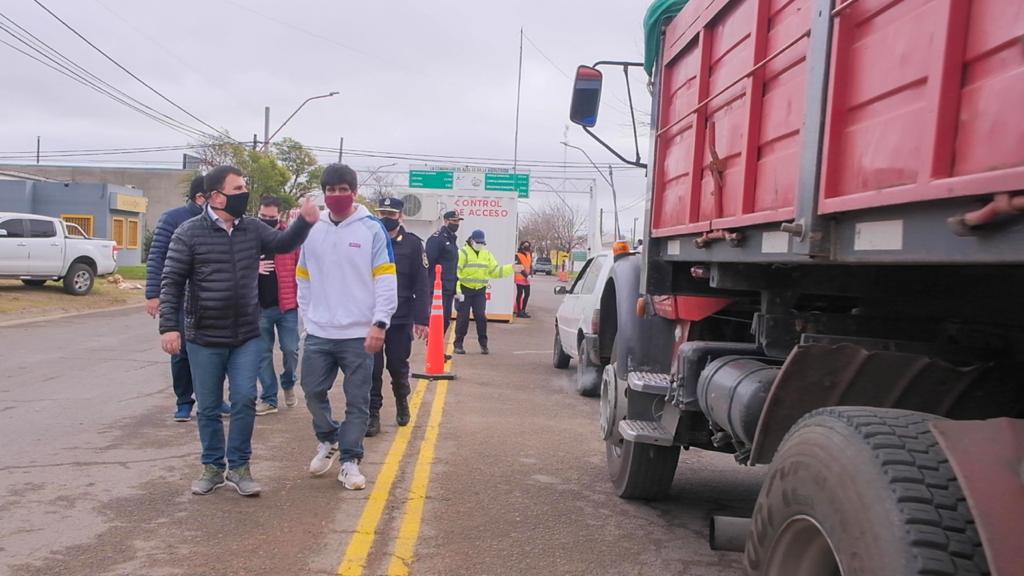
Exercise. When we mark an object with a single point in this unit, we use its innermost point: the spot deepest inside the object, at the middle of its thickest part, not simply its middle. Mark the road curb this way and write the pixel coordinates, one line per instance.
(69, 315)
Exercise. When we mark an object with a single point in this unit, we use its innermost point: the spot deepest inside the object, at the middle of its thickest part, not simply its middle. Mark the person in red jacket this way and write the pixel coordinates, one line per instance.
(278, 309)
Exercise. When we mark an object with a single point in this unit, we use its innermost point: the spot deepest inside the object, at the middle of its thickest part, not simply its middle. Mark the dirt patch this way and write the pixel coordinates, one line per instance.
(18, 301)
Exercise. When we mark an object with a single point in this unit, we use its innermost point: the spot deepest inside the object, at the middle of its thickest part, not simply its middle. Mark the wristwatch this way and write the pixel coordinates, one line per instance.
(380, 324)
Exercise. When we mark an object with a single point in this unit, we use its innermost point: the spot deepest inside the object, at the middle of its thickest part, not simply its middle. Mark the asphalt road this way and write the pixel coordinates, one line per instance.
(502, 472)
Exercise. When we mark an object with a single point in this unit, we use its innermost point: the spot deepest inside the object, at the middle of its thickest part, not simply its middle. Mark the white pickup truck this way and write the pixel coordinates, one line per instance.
(35, 249)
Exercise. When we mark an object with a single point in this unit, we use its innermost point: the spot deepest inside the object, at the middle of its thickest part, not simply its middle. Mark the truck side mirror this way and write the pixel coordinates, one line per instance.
(559, 290)
(586, 96)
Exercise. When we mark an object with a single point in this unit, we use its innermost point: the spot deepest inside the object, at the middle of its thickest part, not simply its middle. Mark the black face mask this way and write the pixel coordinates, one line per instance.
(272, 222)
(390, 224)
(453, 228)
(236, 204)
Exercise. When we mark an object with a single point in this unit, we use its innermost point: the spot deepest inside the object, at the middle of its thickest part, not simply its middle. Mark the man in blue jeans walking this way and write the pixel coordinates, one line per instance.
(278, 312)
(347, 293)
(212, 266)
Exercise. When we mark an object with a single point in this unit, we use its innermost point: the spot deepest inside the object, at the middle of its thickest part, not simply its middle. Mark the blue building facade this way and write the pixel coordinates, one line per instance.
(101, 210)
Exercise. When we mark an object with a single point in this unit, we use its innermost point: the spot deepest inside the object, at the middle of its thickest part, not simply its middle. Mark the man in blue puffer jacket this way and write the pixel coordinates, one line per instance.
(181, 374)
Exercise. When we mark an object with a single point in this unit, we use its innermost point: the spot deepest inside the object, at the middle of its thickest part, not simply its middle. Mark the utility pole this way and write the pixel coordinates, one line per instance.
(519, 87)
(615, 202)
(255, 141)
(600, 228)
(38, 143)
(633, 234)
(266, 126)
(341, 148)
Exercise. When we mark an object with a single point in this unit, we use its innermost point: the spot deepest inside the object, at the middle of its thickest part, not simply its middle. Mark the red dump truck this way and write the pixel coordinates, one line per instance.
(832, 277)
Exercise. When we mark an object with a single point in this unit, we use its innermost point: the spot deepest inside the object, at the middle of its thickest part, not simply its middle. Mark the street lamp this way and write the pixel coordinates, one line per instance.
(615, 200)
(374, 172)
(304, 102)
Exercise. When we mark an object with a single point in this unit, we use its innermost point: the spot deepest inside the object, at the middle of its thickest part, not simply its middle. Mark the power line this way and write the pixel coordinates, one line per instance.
(80, 74)
(127, 71)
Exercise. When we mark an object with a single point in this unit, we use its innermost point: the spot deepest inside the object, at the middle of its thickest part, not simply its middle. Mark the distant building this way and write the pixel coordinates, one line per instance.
(165, 188)
(101, 210)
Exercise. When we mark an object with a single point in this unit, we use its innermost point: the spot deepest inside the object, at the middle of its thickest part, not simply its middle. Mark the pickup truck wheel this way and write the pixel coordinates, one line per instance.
(79, 280)
(588, 374)
(862, 491)
(637, 471)
(560, 359)
(33, 282)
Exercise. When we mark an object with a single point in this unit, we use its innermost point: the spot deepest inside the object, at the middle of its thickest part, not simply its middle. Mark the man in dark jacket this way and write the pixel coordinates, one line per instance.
(212, 264)
(443, 249)
(181, 377)
(410, 318)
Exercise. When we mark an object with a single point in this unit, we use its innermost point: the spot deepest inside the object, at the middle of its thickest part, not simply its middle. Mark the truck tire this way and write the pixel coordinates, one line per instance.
(637, 471)
(79, 279)
(861, 492)
(33, 282)
(588, 374)
(560, 359)
(642, 471)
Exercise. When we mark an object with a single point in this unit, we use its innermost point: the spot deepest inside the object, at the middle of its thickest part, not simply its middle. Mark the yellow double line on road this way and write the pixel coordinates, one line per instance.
(358, 551)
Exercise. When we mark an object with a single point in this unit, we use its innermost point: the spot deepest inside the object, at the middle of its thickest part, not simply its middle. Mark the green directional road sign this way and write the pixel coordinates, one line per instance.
(499, 182)
(438, 179)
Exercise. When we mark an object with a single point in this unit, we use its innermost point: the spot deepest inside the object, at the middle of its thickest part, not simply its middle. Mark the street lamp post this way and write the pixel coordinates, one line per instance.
(615, 200)
(266, 143)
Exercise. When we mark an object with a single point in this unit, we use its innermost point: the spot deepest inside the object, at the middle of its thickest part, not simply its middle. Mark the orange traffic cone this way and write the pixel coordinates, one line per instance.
(435, 338)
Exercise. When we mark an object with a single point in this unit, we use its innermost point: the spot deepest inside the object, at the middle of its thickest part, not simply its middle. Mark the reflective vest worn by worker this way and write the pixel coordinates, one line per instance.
(476, 267)
(524, 259)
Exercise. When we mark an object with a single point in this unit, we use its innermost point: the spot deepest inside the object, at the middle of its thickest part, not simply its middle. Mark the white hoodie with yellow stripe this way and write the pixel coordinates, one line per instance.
(346, 276)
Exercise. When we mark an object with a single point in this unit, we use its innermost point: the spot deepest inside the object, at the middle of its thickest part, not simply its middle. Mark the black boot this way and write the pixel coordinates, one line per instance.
(402, 410)
(373, 427)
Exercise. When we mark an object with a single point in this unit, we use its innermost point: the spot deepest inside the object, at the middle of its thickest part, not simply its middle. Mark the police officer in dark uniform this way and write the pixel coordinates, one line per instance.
(443, 249)
(409, 320)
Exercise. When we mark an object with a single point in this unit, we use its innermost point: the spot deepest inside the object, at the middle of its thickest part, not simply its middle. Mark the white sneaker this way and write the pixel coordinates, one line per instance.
(326, 455)
(350, 477)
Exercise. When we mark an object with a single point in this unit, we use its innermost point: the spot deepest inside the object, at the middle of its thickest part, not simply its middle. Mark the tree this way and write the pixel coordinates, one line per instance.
(265, 173)
(555, 226)
(378, 186)
(300, 162)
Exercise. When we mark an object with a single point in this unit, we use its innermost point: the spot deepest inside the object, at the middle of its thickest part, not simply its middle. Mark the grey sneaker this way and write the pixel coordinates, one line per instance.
(241, 479)
(289, 398)
(211, 479)
(265, 408)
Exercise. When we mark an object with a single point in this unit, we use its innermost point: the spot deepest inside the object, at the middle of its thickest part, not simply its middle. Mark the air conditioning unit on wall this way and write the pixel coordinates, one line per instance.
(420, 206)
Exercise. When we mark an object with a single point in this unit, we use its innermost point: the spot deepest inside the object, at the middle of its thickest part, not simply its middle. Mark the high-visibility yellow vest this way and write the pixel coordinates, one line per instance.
(477, 267)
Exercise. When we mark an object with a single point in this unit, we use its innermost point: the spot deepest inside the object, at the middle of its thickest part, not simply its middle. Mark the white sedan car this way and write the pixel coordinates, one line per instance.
(577, 323)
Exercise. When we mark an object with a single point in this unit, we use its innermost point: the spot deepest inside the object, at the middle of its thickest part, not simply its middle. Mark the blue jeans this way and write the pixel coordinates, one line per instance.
(287, 324)
(210, 364)
(181, 373)
(321, 359)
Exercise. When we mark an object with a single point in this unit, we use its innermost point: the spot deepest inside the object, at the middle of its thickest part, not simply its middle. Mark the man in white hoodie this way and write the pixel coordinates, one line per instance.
(347, 293)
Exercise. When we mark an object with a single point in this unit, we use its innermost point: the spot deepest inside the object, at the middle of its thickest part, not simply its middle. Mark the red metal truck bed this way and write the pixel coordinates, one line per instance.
(925, 101)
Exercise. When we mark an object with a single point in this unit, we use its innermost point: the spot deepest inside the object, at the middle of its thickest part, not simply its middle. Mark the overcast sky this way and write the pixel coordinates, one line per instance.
(436, 77)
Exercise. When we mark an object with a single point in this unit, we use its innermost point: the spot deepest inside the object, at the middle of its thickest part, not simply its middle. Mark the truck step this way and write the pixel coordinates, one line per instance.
(645, 432)
(650, 382)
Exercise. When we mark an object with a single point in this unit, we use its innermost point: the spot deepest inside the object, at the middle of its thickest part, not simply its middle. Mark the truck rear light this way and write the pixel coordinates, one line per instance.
(595, 321)
(113, 252)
